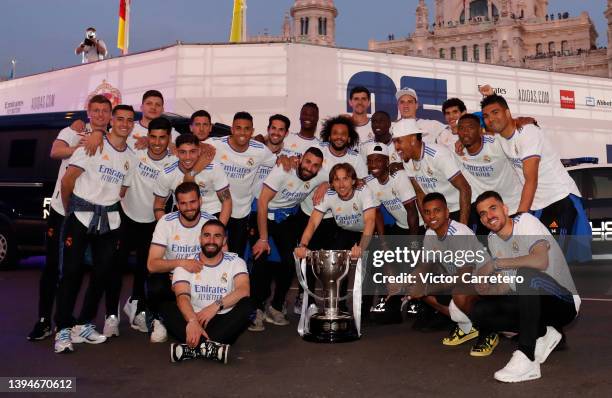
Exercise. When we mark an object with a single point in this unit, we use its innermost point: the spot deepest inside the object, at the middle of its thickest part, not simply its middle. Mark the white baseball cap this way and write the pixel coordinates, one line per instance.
(405, 127)
(406, 91)
(375, 148)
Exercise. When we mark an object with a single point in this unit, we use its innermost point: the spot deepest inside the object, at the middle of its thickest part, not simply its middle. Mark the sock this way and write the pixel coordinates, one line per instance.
(458, 316)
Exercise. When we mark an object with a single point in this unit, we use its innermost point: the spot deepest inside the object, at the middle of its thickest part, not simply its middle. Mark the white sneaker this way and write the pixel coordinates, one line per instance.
(130, 308)
(111, 326)
(518, 369)
(297, 306)
(258, 322)
(63, 342)
(86, 334)
(140, 322)
(276, 317)
(159, 334)
(546, 344)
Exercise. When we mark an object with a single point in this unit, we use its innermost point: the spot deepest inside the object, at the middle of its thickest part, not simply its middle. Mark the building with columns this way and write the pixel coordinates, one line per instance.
(308, 21)
(518, 33)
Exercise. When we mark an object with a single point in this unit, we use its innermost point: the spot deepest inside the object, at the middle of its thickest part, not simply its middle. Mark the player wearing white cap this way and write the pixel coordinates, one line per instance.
(432, 168)
(407, 105)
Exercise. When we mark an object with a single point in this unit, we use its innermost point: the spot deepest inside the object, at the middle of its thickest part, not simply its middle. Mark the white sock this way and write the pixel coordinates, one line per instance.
(458, 316)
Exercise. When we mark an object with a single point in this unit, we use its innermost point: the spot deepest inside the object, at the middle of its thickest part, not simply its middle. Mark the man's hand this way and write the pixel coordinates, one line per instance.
(191, 265)
(288, 162)
(301, 252)
(93, 142)
(207, 152)
(319, 193)
(486, 90)
(78, 126)
(459, 148)
(142, 142)
(524, 120)
(355, 252)
(194, 332)
(259, 247)
(207, 314)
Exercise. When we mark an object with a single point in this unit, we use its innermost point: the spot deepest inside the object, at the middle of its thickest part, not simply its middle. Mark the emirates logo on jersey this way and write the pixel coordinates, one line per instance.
(250, 162)
(515, 247)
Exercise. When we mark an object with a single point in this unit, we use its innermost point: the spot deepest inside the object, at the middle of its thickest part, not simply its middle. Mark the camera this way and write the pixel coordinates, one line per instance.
(90, 38)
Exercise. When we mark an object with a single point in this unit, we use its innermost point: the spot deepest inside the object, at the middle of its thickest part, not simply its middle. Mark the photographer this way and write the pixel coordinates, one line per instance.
(92, 49)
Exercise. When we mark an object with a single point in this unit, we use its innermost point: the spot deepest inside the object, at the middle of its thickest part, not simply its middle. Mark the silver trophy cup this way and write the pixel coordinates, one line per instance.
(331, 325)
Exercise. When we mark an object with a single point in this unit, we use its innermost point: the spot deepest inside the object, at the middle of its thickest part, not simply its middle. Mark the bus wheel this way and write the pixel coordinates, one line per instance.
(7, 248)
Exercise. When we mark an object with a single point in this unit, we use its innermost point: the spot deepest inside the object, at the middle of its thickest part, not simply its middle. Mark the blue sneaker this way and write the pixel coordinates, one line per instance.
(86, 334)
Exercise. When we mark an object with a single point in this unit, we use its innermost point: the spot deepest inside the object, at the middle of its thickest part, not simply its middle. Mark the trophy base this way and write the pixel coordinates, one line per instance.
(340, 329)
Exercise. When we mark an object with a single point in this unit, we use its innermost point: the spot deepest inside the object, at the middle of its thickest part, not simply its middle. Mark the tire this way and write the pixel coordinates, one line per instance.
(7, 248)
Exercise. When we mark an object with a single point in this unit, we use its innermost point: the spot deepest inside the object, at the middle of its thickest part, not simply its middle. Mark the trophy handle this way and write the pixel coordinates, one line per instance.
(302, 279)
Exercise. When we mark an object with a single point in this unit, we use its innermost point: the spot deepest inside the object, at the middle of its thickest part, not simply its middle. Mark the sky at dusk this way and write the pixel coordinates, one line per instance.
(42, 35)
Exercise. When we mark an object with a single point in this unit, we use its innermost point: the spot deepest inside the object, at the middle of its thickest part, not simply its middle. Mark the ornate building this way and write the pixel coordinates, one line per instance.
(309, 21)
(506, 32)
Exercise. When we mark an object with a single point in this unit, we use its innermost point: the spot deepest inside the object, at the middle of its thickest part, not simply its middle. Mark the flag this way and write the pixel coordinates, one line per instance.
(238, 32)
(123, 31)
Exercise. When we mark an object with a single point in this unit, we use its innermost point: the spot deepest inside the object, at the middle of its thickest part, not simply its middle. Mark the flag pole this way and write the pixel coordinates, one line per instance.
(13, 69)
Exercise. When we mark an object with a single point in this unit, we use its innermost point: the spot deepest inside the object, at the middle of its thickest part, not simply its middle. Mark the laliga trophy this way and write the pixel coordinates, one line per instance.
(331, 325)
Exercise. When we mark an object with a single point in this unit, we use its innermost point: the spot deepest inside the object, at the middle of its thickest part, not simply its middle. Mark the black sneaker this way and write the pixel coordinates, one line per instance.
(182, 352)
(42, 330)
(215, 351)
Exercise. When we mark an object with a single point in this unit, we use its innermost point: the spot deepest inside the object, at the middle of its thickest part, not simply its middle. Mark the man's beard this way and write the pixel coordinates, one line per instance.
(337, 148)
(206, 249)
(302, 176)
(195, 216)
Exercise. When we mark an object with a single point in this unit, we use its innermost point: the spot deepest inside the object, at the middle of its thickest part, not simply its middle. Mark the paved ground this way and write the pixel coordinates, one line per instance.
(388, 361)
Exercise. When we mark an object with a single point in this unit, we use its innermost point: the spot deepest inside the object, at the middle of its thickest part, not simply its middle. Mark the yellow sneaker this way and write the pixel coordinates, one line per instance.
(457, 336)
(485, 346)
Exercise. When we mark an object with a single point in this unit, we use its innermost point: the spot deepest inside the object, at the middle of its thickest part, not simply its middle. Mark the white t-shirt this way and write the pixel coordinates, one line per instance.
(210, 180)
(431, 129)
(142, 131)
(290, 189)
(91, 53)
(365, 131)
(103, 176)
(241, 169)
(213, 282)
(138, 200)
(459, 238)
(180, 241)
(554, 183)
(296, 143)
(490, 170)
(329, 161)
(448, 138)
(527, 231)
(264, 171)
(434, 171)
(394, 194)
(348, 213)
(393, 155)
(71, 138)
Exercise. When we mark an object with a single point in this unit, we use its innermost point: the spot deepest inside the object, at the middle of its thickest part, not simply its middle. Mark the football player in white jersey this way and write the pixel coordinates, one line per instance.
(353, 209)
(309, 119)
(538, 302)
(212, 307)
(67, 141)
(277, 207)
(137, 225)
(200, 124)
(175, 243)
(547, 187)
(445, 235)
(360, 101)
(391, 190)
(381, 130)
(432, 168)
(453, 109)
(152, 107)
(241, 158)
(213, 183)
(486, 167)
(91, 190)
(407, 105)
